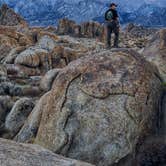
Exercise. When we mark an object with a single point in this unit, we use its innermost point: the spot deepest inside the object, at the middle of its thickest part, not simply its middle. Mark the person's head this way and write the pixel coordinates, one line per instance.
(113, 6)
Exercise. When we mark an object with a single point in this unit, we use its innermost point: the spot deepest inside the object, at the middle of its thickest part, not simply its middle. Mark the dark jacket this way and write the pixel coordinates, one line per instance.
(114, 14)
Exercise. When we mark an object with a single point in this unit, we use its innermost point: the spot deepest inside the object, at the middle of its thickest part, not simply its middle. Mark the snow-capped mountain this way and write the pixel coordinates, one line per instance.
(47, 12)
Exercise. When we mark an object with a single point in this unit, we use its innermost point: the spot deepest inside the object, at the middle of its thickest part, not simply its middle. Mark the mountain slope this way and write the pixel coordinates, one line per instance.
(40, 12)
(151, 15)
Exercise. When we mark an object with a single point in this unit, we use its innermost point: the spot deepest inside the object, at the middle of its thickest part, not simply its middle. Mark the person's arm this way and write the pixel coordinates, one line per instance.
(117, 19)
(116, 15)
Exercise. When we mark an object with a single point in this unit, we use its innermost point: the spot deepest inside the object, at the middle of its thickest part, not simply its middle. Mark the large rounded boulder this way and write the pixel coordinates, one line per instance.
(98, 108)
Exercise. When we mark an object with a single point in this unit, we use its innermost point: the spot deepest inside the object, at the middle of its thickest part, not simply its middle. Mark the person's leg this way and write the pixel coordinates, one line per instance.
(116, 39)
(108, 32)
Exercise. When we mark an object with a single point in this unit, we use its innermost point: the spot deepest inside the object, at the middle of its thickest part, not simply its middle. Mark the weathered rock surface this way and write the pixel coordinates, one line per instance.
(34, 51)
(9, 17)
(3, 71)
(6, 104)
(155, 52)
(47, 80)
(30, 128)
(133, 36)
(87, 29)
(13, 54)
(93, 30)
(31, 57)
(18, 114)
(98, 108)
(139, 31)
(49, 52)
(4, 50)
(152, 151)
(11, 37)
(66, 26)
(47, 41)
(13, 89)
(14, 154)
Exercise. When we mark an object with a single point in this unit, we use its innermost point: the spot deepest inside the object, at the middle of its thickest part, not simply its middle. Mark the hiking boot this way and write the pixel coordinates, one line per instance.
(116, 47)
(108, 47)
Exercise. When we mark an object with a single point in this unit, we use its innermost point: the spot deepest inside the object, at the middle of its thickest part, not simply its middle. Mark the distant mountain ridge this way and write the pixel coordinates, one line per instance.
(146, 15)
(40, 12)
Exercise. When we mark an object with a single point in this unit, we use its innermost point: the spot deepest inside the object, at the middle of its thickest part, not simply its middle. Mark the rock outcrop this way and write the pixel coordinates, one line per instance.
(155, 51)
(14, 154)
(3, 71)
(138, 30)
(6, 104)
(31, 57)
(87, 29)
(18, 115)
(10, 38)
(98, 108)
(70, 95)
(27, 54)
(13, 54)
(136, 36)
(66, 26)
(133, 36)
(36, 50)
(9, 17)
(47, 80)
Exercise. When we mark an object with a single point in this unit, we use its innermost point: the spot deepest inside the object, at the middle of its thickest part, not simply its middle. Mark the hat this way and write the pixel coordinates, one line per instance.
(113, 4)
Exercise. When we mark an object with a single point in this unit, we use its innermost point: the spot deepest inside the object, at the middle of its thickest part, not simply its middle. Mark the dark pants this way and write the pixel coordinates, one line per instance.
(112, 27)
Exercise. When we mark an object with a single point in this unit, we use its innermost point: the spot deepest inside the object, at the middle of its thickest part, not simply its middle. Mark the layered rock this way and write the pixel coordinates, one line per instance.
(14, 154)
(98, 108)
(155, 51)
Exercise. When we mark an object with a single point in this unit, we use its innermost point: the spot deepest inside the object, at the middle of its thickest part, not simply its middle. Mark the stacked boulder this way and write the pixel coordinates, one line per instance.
(86, 29)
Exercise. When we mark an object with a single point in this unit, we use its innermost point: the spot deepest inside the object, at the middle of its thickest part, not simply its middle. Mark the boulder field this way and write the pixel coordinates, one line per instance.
(61, 89)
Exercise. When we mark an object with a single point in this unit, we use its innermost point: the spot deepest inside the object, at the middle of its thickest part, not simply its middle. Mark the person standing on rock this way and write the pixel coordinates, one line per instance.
(112, 25)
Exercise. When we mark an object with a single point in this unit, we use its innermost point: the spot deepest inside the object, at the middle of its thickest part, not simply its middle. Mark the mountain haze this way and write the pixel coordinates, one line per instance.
(40, 12)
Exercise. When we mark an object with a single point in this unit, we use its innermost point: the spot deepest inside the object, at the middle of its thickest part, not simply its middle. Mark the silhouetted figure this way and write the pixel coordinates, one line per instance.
(112, 25)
